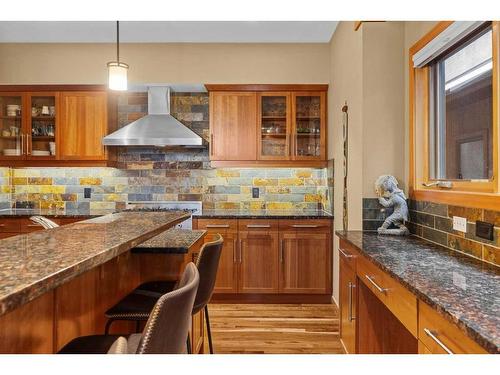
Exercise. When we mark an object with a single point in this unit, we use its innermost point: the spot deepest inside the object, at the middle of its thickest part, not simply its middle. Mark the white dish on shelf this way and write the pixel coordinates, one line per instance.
(11, 152)
(40, 153)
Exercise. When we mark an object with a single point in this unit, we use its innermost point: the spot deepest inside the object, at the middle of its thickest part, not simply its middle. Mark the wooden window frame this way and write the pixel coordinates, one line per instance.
(464, 193)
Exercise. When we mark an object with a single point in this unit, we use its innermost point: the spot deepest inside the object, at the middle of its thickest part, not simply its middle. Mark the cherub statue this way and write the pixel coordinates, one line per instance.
(390, 195)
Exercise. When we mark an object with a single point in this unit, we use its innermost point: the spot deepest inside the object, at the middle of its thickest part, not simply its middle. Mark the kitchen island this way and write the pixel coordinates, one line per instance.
(56, 284)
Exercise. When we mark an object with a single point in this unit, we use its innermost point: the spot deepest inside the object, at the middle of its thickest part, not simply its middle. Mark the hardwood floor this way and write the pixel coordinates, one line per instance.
(275, 329)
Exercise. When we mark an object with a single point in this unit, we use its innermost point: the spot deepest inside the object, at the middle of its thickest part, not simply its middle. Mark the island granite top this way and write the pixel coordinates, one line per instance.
(431, 272)
(35, 263)
(172, 241)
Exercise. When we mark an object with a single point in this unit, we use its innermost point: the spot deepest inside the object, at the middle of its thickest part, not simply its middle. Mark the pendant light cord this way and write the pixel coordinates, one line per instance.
(117, 41)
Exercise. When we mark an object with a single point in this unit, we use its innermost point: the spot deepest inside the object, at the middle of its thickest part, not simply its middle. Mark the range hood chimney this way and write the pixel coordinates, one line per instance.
(157, 128)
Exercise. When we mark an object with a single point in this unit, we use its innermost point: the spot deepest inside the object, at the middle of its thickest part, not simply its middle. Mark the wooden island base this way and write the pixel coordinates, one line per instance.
(77, 307)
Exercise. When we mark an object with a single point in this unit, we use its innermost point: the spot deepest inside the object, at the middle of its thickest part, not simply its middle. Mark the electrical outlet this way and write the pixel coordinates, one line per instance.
(460, 224)
(87, 192)
(484, 230)
(255, 192)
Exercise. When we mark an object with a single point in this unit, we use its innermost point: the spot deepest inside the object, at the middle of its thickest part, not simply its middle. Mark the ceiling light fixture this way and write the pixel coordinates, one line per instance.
(117, 71)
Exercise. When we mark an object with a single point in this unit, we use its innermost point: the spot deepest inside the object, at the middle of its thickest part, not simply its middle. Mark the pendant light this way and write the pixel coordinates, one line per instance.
(117, 71)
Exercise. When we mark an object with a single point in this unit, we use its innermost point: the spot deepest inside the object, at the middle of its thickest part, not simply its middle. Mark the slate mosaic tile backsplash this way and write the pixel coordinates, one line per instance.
(434, 222)
(146, 174)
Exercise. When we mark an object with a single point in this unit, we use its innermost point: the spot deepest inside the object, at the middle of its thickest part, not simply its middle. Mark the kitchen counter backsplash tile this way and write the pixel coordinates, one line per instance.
(434, 222)
(153, 174)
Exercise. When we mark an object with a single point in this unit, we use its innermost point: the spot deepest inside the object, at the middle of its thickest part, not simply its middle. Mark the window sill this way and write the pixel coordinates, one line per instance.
(458, 198)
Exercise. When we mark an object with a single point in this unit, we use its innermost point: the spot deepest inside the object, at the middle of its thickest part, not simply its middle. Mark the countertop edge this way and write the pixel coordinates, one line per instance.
(483, 342)
(29, 293)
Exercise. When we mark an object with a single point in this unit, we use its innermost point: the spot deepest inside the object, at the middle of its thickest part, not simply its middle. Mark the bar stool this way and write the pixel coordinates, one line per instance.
(165, 331)
(137, 305)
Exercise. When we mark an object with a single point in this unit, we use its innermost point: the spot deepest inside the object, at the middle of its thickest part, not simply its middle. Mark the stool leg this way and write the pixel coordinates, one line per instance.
(108, 326)
(188, 345)
(209, 333)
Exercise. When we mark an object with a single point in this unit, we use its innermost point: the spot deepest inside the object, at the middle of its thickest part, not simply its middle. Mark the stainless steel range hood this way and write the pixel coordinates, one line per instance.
(157, 128)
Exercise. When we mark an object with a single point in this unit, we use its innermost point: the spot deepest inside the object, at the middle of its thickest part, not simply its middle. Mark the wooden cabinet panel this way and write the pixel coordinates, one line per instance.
(233, 126)
(11, 225)
(84, 122)
(401, 302)
(436, 334)
(197, 332)
(7, 235)
(29, 329)
(347, 305)
(258, 262)
(305, 256)
(305, 263)
(227, 273)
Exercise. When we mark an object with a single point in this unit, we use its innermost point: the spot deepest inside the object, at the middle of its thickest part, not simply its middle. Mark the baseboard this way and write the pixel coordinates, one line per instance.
(334, 301)
(271, 298)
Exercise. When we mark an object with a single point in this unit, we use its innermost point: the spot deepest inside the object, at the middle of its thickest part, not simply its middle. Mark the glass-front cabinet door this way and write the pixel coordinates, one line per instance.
(274, 141)
(41, 132)
(309, 125)
(11, 125)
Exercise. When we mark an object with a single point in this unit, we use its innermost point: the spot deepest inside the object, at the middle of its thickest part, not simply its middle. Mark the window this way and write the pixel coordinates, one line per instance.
(461, 110)
(454, 110)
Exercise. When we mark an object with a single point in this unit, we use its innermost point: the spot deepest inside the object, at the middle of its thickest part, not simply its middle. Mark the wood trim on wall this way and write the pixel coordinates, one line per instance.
(470, 194)
(266, 87)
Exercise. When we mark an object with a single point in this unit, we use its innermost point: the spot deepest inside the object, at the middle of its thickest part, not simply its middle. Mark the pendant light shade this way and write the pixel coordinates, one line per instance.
(117, 71)
(117, 76)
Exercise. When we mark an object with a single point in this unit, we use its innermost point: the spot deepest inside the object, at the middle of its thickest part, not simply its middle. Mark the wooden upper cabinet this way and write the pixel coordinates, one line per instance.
(309, 125)
(233, 120)
(84, 122)
(274, 126)
(268, 125)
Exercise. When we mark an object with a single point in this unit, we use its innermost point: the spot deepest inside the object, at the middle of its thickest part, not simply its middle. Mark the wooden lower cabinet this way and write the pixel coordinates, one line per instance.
(227, 273)
(381, 316)
(305, 261)
(13, 226)
(273, 256)
(258, 257)
(347, 305)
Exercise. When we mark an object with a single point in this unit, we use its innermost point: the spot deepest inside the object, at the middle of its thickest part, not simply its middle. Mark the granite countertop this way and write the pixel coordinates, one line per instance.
(172, 241)
(35, 263)
(10, 212)
(431, 272)
(257, 214)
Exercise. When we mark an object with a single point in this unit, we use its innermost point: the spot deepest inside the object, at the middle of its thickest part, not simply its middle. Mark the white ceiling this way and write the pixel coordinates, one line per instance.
(167, 31)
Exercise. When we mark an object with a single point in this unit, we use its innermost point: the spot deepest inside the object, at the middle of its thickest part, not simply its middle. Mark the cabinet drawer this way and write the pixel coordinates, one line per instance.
(401, 302)
(214, 225)
(310, 225)
(348, 254)
(256, 225)
(441, 336)
(10, 225)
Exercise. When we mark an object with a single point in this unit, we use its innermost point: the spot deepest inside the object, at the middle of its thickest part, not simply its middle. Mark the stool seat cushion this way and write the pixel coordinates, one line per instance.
(138, 304)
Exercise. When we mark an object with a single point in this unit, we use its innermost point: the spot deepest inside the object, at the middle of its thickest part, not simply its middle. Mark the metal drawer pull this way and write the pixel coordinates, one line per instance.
(344, 253)
(282, 249)
(258, 226)
(429, 333)
(380, 289)
(351, 286)
(217, 225)
(241, 252)
(234, 250)
(34, 225)
(304, 226)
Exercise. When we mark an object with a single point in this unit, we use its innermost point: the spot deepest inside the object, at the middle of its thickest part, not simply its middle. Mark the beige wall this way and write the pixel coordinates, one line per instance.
(346, 84)
(171, 63)
(383, 103)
